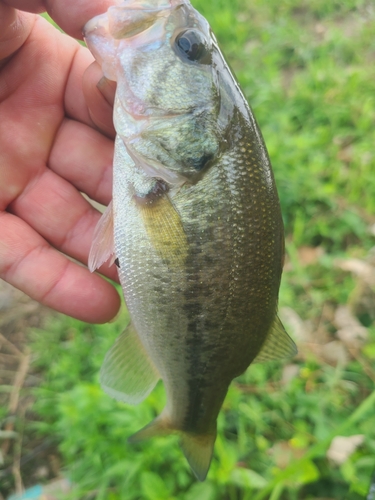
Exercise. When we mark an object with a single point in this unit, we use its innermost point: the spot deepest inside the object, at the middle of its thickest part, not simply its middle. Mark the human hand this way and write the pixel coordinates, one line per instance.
(52, 148)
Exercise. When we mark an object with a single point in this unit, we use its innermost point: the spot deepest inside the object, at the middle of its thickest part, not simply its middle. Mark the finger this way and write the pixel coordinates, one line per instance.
(99, 93)
(81, 90)
(38, 75)
(107, 89)
(31, 90)
(74, 99)
(15, 27)
(84, 158)
(35, 6)
(70, 15)
(60, 214)
(30, 264)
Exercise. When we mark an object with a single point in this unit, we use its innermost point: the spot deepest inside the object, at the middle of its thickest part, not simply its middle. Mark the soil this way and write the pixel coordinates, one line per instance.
(25, 458)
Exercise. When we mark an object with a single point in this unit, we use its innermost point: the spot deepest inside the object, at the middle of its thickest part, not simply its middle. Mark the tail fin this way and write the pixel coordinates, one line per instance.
(197, 448)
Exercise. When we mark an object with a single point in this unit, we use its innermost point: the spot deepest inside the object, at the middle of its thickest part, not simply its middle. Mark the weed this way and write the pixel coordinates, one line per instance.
(308, 71)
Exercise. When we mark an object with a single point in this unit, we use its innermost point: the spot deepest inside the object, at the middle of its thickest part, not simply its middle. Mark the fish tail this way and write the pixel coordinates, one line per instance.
(197, 448)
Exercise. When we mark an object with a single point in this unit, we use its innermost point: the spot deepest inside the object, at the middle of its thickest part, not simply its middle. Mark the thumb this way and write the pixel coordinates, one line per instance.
(15, 27)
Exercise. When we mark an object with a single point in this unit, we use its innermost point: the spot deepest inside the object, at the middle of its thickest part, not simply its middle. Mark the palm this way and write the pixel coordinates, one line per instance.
(52, 149)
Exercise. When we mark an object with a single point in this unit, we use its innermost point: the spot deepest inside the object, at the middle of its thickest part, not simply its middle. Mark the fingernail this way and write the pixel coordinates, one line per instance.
(107, 88)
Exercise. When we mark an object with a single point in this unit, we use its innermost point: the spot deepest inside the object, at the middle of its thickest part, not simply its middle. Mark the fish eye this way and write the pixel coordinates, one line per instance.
(192, 45)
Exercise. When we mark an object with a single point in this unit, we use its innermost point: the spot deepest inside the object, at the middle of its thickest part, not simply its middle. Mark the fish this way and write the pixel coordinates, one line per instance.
(194, 224)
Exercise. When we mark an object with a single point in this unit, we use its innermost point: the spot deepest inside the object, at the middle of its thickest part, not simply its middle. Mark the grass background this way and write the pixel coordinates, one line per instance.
(307, 68)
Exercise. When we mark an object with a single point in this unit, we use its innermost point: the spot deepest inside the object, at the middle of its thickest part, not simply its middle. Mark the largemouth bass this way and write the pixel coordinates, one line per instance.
(194, 224)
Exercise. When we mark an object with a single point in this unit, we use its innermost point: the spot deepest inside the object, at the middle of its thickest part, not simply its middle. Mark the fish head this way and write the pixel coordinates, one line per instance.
(172, 106)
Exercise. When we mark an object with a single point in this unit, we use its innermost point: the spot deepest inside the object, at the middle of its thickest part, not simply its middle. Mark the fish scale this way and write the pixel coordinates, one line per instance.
(196, 222)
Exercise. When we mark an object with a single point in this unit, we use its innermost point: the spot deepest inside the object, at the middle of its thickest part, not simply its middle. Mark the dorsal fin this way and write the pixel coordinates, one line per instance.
(278, 344)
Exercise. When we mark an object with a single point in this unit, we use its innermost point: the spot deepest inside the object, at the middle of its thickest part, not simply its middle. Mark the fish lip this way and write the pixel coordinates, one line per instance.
(94, 24)
(151, 6)
(135, 5)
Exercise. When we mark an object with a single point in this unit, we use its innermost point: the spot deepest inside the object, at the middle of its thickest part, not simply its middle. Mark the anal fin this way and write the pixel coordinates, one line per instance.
(278, 344)
(127, 373)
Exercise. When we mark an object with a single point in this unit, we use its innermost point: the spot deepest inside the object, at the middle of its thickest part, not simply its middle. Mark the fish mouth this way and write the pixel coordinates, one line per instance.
(150, 5)
(131, 17)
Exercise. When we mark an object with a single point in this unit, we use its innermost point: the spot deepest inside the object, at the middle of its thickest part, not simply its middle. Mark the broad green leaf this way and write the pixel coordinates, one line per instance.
(247, 479)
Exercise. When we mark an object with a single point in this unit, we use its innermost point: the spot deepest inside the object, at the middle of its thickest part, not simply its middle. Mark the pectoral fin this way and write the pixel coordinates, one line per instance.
(128, 374)
(165, 230)
(278, 344)
(102, 247)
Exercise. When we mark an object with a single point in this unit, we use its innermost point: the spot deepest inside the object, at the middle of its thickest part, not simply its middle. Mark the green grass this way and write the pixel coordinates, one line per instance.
(272, 436)
(307, 68)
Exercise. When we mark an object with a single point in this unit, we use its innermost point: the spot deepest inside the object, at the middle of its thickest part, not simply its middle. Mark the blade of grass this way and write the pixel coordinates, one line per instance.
(318, 448)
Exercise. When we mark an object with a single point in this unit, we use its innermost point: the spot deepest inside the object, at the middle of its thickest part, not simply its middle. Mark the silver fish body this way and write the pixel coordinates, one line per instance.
(197, 227)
